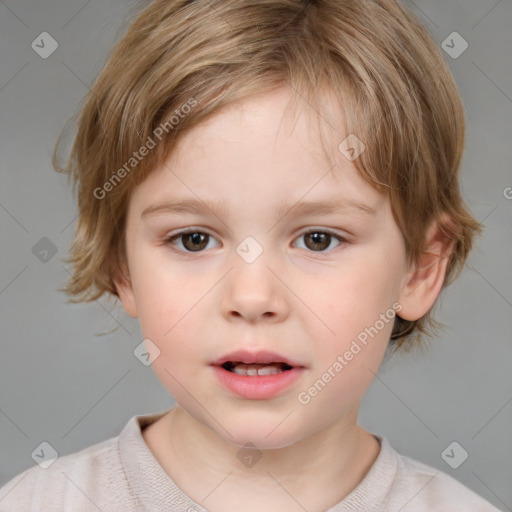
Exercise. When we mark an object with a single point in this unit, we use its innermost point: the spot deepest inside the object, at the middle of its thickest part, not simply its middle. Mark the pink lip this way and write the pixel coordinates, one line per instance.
(259, 357)
(258, 387)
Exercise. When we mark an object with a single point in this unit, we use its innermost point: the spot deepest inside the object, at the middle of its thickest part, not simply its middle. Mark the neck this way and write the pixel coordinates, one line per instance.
(314, 473)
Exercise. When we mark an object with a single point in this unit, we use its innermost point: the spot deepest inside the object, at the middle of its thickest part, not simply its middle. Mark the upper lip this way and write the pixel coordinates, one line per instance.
(257, 357)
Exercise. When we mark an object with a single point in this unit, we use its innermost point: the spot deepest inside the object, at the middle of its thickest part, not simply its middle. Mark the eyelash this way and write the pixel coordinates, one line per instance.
(170, 239)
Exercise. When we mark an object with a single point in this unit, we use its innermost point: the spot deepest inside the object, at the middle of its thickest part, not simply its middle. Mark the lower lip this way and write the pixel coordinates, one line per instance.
(258, 387)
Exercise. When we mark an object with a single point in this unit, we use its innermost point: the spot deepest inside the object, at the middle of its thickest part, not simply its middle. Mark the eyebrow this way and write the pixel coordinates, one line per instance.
(304, 208)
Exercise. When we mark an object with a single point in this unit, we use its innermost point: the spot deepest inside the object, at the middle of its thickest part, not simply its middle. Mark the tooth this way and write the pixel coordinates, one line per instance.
(268, 370)
(254, 370)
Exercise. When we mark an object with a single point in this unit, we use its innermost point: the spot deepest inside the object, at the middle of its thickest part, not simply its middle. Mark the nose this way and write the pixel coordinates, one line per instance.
(253, 293)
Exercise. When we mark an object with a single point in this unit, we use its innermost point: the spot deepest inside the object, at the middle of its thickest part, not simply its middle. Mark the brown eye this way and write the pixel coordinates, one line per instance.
(195, 241)
(319, 241)
(191, 241)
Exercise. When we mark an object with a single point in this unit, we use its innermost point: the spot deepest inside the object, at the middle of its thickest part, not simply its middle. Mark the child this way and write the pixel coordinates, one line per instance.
(271, 187)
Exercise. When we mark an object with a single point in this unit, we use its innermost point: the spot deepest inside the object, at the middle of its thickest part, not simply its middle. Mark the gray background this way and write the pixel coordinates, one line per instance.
(62, 384)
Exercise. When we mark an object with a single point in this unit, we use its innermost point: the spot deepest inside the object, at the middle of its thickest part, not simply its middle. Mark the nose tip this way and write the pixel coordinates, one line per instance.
(253, 293)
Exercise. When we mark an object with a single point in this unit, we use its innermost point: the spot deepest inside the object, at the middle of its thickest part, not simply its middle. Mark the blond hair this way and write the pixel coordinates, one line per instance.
(398, 96)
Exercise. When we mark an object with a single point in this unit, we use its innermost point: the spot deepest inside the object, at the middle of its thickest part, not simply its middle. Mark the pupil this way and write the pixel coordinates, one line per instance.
(320, 240)
(196, 238)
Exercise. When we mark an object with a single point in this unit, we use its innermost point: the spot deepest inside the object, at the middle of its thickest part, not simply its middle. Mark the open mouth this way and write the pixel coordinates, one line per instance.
(257, 375)
(254, 369)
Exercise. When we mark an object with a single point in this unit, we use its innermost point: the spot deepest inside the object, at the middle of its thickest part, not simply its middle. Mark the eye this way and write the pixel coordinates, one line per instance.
(319, 240)
(193, 240)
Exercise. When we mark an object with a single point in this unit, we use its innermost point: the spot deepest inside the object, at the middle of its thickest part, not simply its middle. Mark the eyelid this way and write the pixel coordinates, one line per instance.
(315, 229)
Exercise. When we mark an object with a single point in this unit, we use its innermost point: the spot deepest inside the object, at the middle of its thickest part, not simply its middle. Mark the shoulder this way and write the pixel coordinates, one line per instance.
(418, 487)
(74, 481)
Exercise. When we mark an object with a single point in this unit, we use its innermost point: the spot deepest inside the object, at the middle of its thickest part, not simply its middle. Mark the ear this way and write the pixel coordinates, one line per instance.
(422, 285)
(125, 290)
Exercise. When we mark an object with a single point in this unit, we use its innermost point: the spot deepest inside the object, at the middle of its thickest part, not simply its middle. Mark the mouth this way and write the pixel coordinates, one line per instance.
(254, 370)
(258, 375)
(262, 362)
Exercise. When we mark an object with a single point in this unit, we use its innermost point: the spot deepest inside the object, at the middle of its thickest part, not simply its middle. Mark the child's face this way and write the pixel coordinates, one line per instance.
(304, 297)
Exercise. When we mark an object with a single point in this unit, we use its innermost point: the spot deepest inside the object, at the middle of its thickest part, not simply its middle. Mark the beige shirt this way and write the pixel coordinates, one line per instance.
(121, 474)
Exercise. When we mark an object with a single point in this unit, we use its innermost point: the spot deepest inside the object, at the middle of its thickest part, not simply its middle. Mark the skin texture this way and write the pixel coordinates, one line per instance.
(304, 303)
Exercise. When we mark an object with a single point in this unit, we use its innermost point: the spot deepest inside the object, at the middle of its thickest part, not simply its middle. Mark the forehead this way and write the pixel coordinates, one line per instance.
(264, 146)
(281, 118)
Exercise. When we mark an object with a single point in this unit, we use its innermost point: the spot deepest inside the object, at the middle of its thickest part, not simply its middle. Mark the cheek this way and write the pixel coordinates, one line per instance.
(163, 294)
(171, 305)
(357, 305)
(345, 363)
(172, 325)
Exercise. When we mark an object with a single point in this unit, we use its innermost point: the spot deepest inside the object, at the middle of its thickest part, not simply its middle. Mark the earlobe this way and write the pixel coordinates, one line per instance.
(423, 284)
